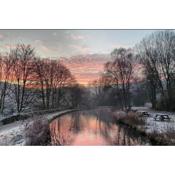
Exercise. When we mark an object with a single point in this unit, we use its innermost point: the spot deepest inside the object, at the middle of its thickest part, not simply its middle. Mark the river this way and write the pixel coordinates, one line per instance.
(91, 127)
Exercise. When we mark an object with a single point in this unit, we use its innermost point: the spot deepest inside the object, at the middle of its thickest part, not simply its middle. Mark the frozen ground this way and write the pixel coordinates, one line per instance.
(14, 133)
(158, 126)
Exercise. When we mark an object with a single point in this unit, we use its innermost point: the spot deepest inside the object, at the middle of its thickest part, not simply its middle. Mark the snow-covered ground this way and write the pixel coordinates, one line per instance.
(14, 133)
(158, 126)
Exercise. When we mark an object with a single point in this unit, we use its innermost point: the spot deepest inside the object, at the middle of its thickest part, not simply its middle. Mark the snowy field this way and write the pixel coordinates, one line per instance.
(158, 126)
(12, 134)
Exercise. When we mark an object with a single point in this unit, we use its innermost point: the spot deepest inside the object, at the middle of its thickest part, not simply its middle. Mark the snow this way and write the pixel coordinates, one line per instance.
(158, 126)
(14, 133)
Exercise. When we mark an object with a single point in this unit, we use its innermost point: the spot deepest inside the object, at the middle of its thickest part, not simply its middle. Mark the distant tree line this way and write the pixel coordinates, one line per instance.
(120, 86)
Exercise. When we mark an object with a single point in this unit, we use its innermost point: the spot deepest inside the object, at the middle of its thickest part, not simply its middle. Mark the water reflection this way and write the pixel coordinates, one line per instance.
(93, 127)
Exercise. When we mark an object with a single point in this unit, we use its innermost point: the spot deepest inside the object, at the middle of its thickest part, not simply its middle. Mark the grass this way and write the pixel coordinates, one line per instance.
(134, 119)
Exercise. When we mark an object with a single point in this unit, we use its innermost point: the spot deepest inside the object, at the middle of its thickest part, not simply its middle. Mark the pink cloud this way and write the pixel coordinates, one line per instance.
(10, 46)
(85, 69)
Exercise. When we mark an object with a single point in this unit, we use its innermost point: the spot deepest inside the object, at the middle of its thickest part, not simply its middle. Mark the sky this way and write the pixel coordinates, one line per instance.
(66, 43)
(85, 47)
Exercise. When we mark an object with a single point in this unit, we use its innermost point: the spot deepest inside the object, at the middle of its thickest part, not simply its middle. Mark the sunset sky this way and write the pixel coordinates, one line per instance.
(84, 49)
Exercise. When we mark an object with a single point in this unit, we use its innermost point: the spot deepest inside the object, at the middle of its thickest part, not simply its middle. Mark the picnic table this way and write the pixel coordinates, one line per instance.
(162, 117)
(144, 114)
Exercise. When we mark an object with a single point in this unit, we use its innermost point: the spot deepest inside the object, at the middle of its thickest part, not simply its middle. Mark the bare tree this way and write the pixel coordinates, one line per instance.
(5, 68)
(52, 78)
(165, 46)
(157, 53)
(121, 70)
(22, 75)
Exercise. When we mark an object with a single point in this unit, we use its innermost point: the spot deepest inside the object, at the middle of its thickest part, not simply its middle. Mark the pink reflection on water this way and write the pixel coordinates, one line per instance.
(89, 129)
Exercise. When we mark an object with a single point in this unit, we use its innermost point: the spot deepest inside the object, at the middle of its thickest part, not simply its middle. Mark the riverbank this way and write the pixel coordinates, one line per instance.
(15, 133)
(139, 127)
(36, 130)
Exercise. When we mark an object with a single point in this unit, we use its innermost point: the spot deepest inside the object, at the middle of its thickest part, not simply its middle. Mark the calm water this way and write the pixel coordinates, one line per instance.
(93, 127)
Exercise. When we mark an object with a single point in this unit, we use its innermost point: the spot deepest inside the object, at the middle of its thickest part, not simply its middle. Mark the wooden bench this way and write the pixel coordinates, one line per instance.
(162, 117)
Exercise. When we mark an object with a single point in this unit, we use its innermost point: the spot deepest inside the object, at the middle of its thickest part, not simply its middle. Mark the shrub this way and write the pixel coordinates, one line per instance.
(37, 132)
(134, 119)
(119, 114)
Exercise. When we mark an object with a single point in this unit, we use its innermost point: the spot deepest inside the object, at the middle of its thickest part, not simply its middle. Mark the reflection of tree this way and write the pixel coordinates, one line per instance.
(55, 133)
(104, 122)
(99, 122)
(61, 131)
(75, 122)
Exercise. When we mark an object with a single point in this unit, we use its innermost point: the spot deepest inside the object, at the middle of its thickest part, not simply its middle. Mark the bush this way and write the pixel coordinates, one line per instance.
(134, 119)
(131, 118)
(119, 114)
(37, 132)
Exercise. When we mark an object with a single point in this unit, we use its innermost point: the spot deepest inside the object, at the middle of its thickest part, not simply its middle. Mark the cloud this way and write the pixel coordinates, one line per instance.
(120, 45)
(80, 49)
(47, 43)
(10, 46)
(7, 47)
(54, 34)
(77, 37)
(2, 37)
(43, 49)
